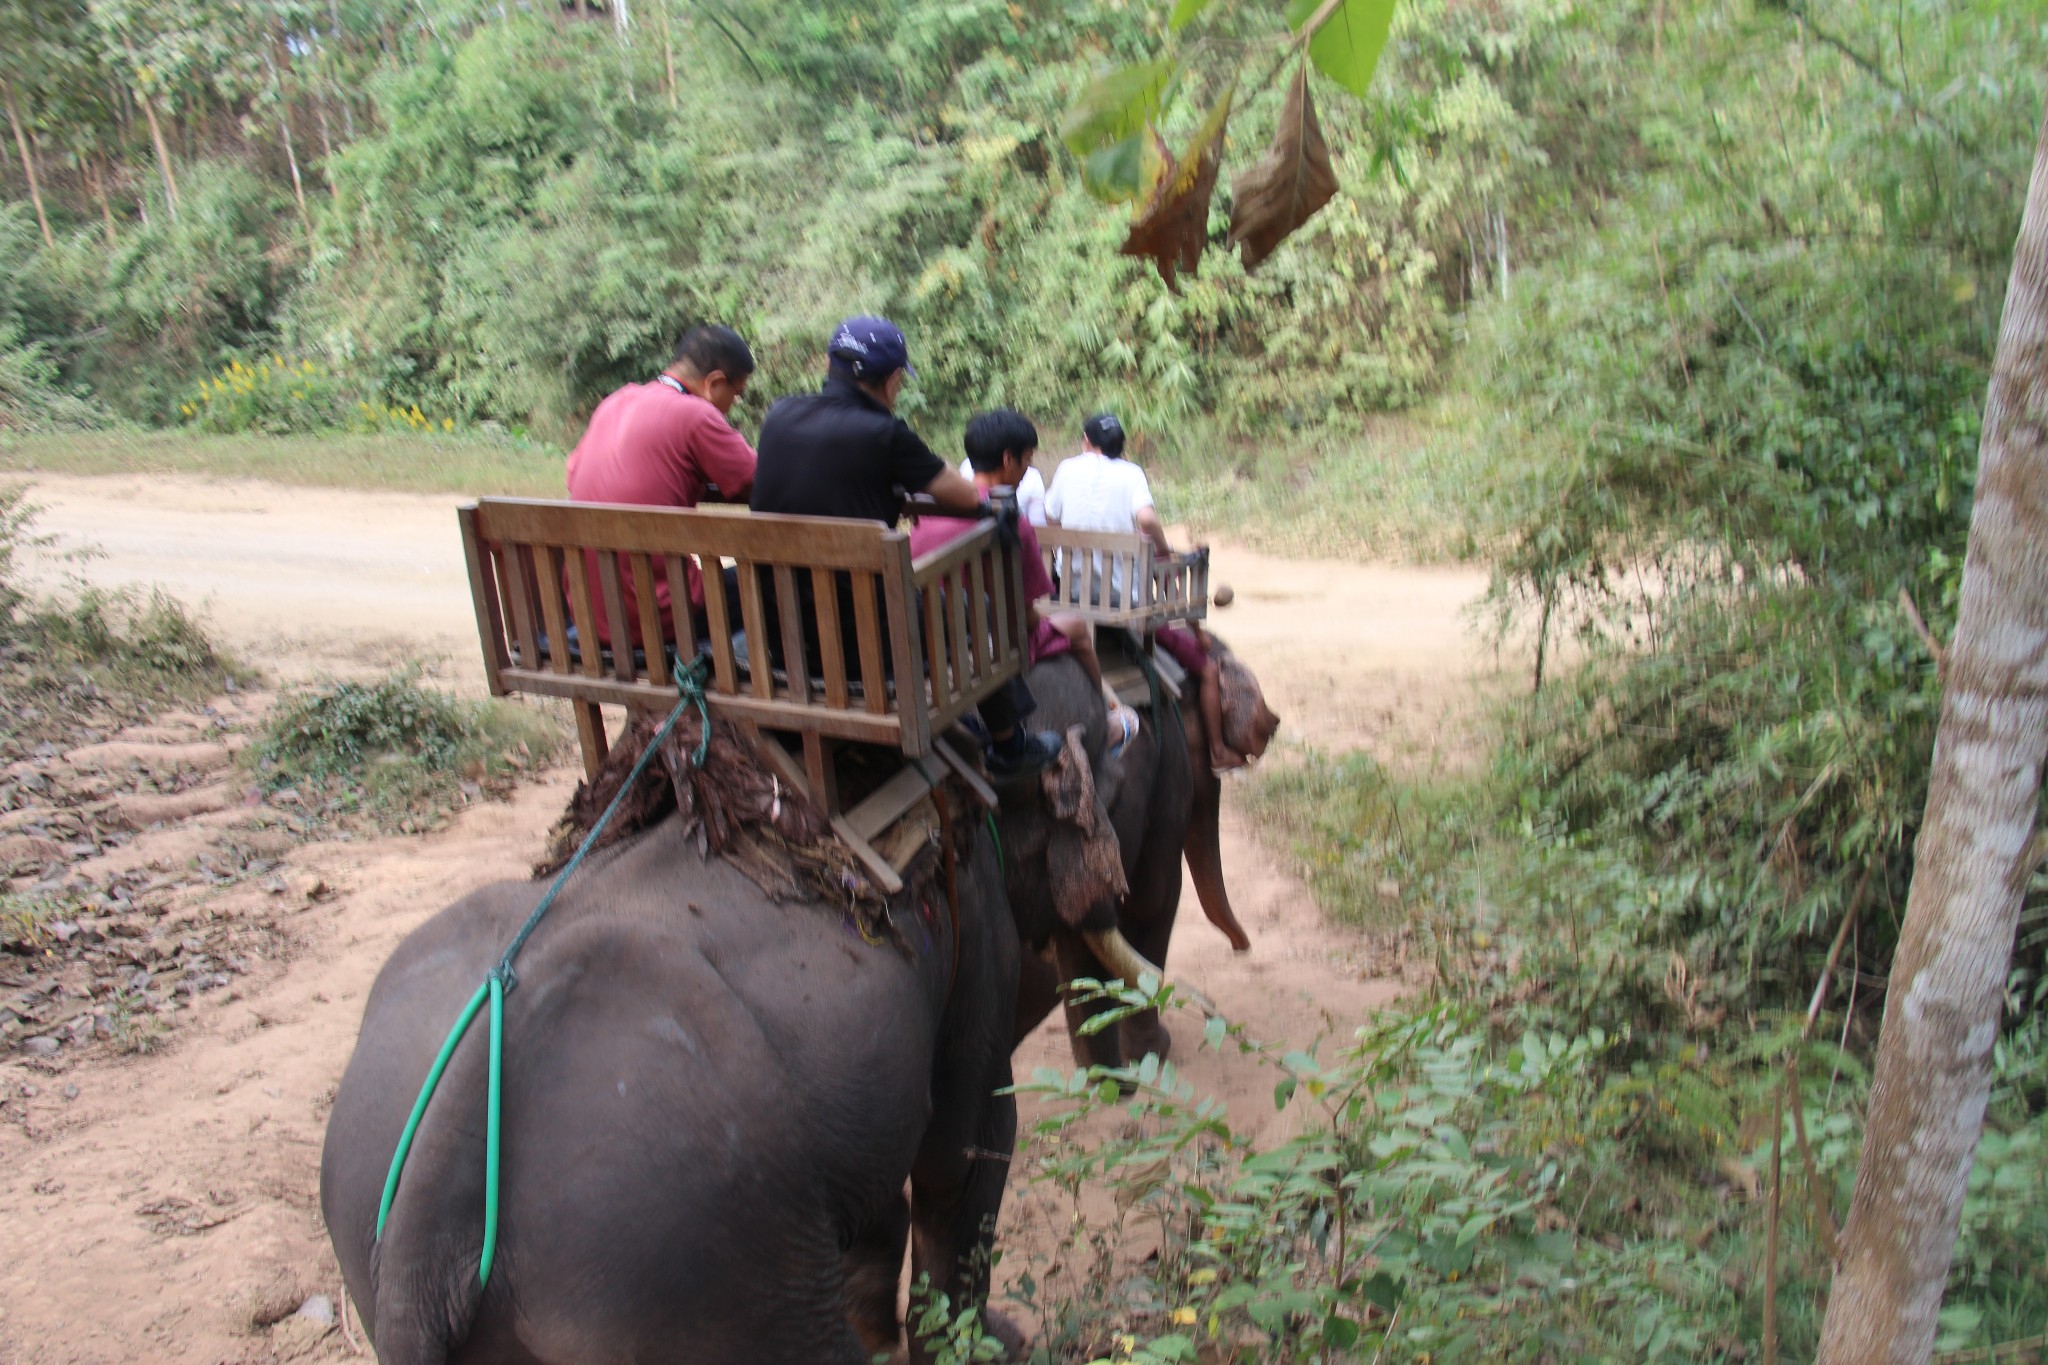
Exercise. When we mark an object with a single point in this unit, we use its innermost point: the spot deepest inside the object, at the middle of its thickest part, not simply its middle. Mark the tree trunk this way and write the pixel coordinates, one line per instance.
(326, 149)
(1971, 862)
(28, 168)
(98, 175)
(163, 152)
(668, 54)
(291, 152)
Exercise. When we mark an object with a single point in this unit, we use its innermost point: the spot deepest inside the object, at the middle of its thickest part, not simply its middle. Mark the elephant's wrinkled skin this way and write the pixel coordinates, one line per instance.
(1163, 806)
(712, 1104)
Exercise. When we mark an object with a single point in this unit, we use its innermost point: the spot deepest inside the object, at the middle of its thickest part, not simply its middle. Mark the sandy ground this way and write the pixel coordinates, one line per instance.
(165, 1207)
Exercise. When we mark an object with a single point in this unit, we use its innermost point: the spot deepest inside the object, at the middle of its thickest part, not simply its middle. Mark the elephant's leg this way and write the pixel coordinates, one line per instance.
(874, 1263)
(1143, 1032)
(1090, 1049)
(956, 1193)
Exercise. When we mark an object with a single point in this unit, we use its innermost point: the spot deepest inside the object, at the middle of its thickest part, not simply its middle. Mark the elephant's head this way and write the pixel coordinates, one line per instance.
(1064, 868)
(1248, 723)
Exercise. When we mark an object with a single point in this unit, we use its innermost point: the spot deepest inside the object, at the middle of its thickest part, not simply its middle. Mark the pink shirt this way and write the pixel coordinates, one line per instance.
(932, 533)
(654, 445)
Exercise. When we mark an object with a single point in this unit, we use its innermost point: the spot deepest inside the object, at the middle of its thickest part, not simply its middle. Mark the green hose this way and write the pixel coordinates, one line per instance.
(690, 686)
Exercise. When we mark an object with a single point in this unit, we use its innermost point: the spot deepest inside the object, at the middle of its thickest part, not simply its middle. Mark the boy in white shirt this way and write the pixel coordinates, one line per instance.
(1099, 490)
(1030, 492)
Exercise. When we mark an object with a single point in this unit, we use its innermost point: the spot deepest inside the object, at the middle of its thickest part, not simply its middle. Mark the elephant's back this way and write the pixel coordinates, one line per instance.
(677, 1059)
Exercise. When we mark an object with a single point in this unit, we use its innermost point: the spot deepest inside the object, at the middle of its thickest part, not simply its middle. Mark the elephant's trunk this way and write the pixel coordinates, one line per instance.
(1115, 952)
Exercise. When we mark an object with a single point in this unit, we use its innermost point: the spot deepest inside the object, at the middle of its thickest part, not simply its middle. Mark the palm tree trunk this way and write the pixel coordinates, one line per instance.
(1976, 849)
(28, 168)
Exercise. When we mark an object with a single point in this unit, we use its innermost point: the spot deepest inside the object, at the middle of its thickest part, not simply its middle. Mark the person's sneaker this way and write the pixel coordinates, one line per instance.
(1037, 752)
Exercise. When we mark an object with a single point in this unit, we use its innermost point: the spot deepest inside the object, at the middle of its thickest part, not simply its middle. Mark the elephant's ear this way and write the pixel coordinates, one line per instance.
(1082, 856)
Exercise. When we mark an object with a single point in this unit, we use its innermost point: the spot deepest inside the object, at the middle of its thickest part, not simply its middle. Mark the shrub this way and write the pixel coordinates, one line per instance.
(395, 752)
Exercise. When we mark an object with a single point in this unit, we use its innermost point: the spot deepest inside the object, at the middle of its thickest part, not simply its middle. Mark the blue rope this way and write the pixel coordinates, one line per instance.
(690, 689)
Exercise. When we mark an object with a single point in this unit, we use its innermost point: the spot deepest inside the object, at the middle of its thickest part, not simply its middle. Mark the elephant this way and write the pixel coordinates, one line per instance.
(1163, 806)
(713, 1100)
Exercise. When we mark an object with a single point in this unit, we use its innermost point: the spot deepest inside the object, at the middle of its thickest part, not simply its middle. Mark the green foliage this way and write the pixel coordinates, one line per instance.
(396, 753)
(178, 295)
(1443, 1201)
(33, 394)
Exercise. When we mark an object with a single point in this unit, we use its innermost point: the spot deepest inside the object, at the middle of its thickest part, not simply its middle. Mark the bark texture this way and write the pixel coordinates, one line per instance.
(1970, 863)
(28, 168)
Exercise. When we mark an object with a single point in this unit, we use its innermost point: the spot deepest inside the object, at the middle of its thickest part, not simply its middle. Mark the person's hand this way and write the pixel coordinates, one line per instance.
(1002, 506)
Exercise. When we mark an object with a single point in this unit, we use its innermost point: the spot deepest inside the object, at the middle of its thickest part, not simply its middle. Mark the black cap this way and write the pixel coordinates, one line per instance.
(1105, 433)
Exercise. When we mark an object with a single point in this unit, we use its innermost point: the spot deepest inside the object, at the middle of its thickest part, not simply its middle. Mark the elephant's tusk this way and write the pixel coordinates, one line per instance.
(1115, 952)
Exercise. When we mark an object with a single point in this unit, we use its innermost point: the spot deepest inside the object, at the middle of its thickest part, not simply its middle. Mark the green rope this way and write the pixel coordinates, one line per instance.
(690, 688)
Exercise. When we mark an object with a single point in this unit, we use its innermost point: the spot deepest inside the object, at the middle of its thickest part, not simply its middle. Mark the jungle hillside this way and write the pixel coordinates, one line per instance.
(1676, 315)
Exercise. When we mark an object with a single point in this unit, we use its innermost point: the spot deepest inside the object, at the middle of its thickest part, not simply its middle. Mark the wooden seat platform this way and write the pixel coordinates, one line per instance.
(952, 621)
(1092, 573)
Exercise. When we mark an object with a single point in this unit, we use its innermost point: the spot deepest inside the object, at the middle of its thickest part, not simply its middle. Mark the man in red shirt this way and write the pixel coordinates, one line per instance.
(668, 444)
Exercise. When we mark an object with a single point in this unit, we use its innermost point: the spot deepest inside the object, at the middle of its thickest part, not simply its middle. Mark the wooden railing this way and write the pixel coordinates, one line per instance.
(847, 638)
(1093, 573)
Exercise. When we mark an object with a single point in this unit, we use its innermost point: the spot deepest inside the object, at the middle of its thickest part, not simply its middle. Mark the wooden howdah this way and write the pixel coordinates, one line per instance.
(930, 637)
(1093, 573)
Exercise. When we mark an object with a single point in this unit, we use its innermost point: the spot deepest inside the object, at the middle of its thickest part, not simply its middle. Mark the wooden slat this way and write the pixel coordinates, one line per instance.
(483, 596)
(650, 617)
(828, 542)
(725, 672)
(754, 620)
(616, 618)
(956, 613)
(966, 772)
(592, 648)
(682, 612)
(547, 572)
(888, 802)
(590, 737)
(519, 580)
(868, 634)
(819, 770)
(773, 714)
(906, 650)
(877, 866)
(831, 648)
(936, 654)
(983, 643)
(789, 609)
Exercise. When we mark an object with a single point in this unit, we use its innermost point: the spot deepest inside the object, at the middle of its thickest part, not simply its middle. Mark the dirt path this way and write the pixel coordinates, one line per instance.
(164, 1207)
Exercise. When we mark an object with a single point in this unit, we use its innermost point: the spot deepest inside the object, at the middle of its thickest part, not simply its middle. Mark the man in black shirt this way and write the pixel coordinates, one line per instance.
(843, 452)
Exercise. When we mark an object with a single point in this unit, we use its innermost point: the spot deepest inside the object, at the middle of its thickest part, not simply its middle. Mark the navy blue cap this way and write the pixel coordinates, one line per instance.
(873, 348)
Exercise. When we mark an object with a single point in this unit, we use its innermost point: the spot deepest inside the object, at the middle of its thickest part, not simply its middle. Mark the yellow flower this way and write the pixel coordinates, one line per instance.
(306, 366)
(447, 424)
(1185, 1317)
(186, 408)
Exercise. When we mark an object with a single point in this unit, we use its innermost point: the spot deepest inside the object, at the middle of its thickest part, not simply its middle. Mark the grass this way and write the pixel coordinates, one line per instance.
(1378, 851)
(1406, 486)
(402, 463)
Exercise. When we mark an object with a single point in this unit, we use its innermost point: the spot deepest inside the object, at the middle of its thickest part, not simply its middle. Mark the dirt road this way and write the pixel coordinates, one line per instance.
(164, 1207)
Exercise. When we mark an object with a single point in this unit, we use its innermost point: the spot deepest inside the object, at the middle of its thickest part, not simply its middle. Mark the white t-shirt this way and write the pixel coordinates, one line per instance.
(1030, 493)
(1092, 492)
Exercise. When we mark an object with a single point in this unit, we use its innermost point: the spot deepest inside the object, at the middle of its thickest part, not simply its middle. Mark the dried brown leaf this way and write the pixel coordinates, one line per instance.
(1173, 226)
(1284, 188)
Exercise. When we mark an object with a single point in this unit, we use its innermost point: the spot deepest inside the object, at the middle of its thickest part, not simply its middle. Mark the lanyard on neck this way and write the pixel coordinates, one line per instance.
(673, 383)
